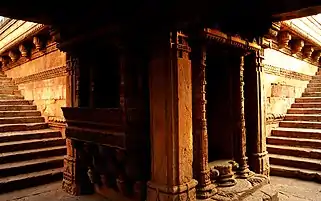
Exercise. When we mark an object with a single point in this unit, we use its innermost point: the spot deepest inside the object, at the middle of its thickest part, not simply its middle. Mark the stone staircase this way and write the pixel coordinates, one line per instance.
(30, 153)
(295, 146)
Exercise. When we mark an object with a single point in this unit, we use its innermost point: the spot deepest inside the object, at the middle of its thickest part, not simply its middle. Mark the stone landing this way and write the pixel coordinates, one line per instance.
(254, 188)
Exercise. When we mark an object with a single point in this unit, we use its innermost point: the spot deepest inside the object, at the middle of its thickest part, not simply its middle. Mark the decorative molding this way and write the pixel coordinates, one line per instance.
(34, 55)
(236, 41)
(44, 75)
(274, 118)
(19, 39)
(273, 70)
(291, 40)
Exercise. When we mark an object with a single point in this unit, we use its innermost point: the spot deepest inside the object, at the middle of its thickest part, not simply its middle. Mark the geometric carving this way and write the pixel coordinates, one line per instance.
(307, 51)
(297, 46)
(284, 38)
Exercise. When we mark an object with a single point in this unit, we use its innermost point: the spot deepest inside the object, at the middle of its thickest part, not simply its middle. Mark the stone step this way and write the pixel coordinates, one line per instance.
(308, 99)
(29, 179)
(23, 113)
(315, 80)
(9, 87)
(16, 102)
(296, 162)
(295, 142)
(10, 91)
(304, 174)
(300, 124)
(22, 127)
(314, 85)
(313, 89)
(297, 133)
(17, 107)
(304, 111)
(306, 105)
(23, 155)
(22, 167)
(10, 97)
(311, 94)
(19, 120)
(30, 144)
(294, 151)
(300, 117)
(29, 135)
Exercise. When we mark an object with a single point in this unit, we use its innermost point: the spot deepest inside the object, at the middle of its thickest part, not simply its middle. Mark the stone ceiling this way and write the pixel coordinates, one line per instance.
(310, 26)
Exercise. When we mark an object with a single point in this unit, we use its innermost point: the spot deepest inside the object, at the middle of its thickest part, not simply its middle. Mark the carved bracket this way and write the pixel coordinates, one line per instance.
(316, 55)
(13, 55)
(23, 50)
(307, 51)
(38, 42)
(284, 39)
(297, 46)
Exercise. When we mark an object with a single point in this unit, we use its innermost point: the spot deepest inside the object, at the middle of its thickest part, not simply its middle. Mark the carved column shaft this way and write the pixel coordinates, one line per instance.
(255, 114)
(240, 152)
(202, 173)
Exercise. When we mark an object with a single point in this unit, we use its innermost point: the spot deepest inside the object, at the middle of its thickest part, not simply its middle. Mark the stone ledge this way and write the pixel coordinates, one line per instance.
(274, 118)
(278, 71)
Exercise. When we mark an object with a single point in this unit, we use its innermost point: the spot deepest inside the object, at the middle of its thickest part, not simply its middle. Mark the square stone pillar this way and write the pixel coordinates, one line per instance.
(255, 114)
(170, 123)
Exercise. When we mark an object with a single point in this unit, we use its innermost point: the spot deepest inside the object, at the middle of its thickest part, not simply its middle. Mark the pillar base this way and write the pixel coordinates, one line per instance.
(260, 163)
(160, 192)
(244, 173)
(203, 193)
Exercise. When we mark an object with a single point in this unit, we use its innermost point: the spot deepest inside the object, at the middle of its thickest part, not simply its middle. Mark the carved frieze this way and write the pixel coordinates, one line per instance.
(44, 75)
(274, 70)
(297, 46)
(284, 39)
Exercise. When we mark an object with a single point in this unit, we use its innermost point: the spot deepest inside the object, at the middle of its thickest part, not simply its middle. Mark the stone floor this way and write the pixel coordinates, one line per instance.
(296, 190)
(290, 190)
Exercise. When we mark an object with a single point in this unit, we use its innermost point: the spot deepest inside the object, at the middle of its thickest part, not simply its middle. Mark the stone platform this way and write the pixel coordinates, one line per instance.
(254, 188)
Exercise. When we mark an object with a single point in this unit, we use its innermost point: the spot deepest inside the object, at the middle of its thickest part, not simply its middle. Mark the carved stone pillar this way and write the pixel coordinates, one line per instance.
(240, 133)
(255, 113)
(205, 188)
(75, 179)
(170, 123)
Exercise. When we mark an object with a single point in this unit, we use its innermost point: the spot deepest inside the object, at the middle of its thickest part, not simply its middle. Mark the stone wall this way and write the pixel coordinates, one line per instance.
(43, 80)
(30, 57)
(285, 78)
